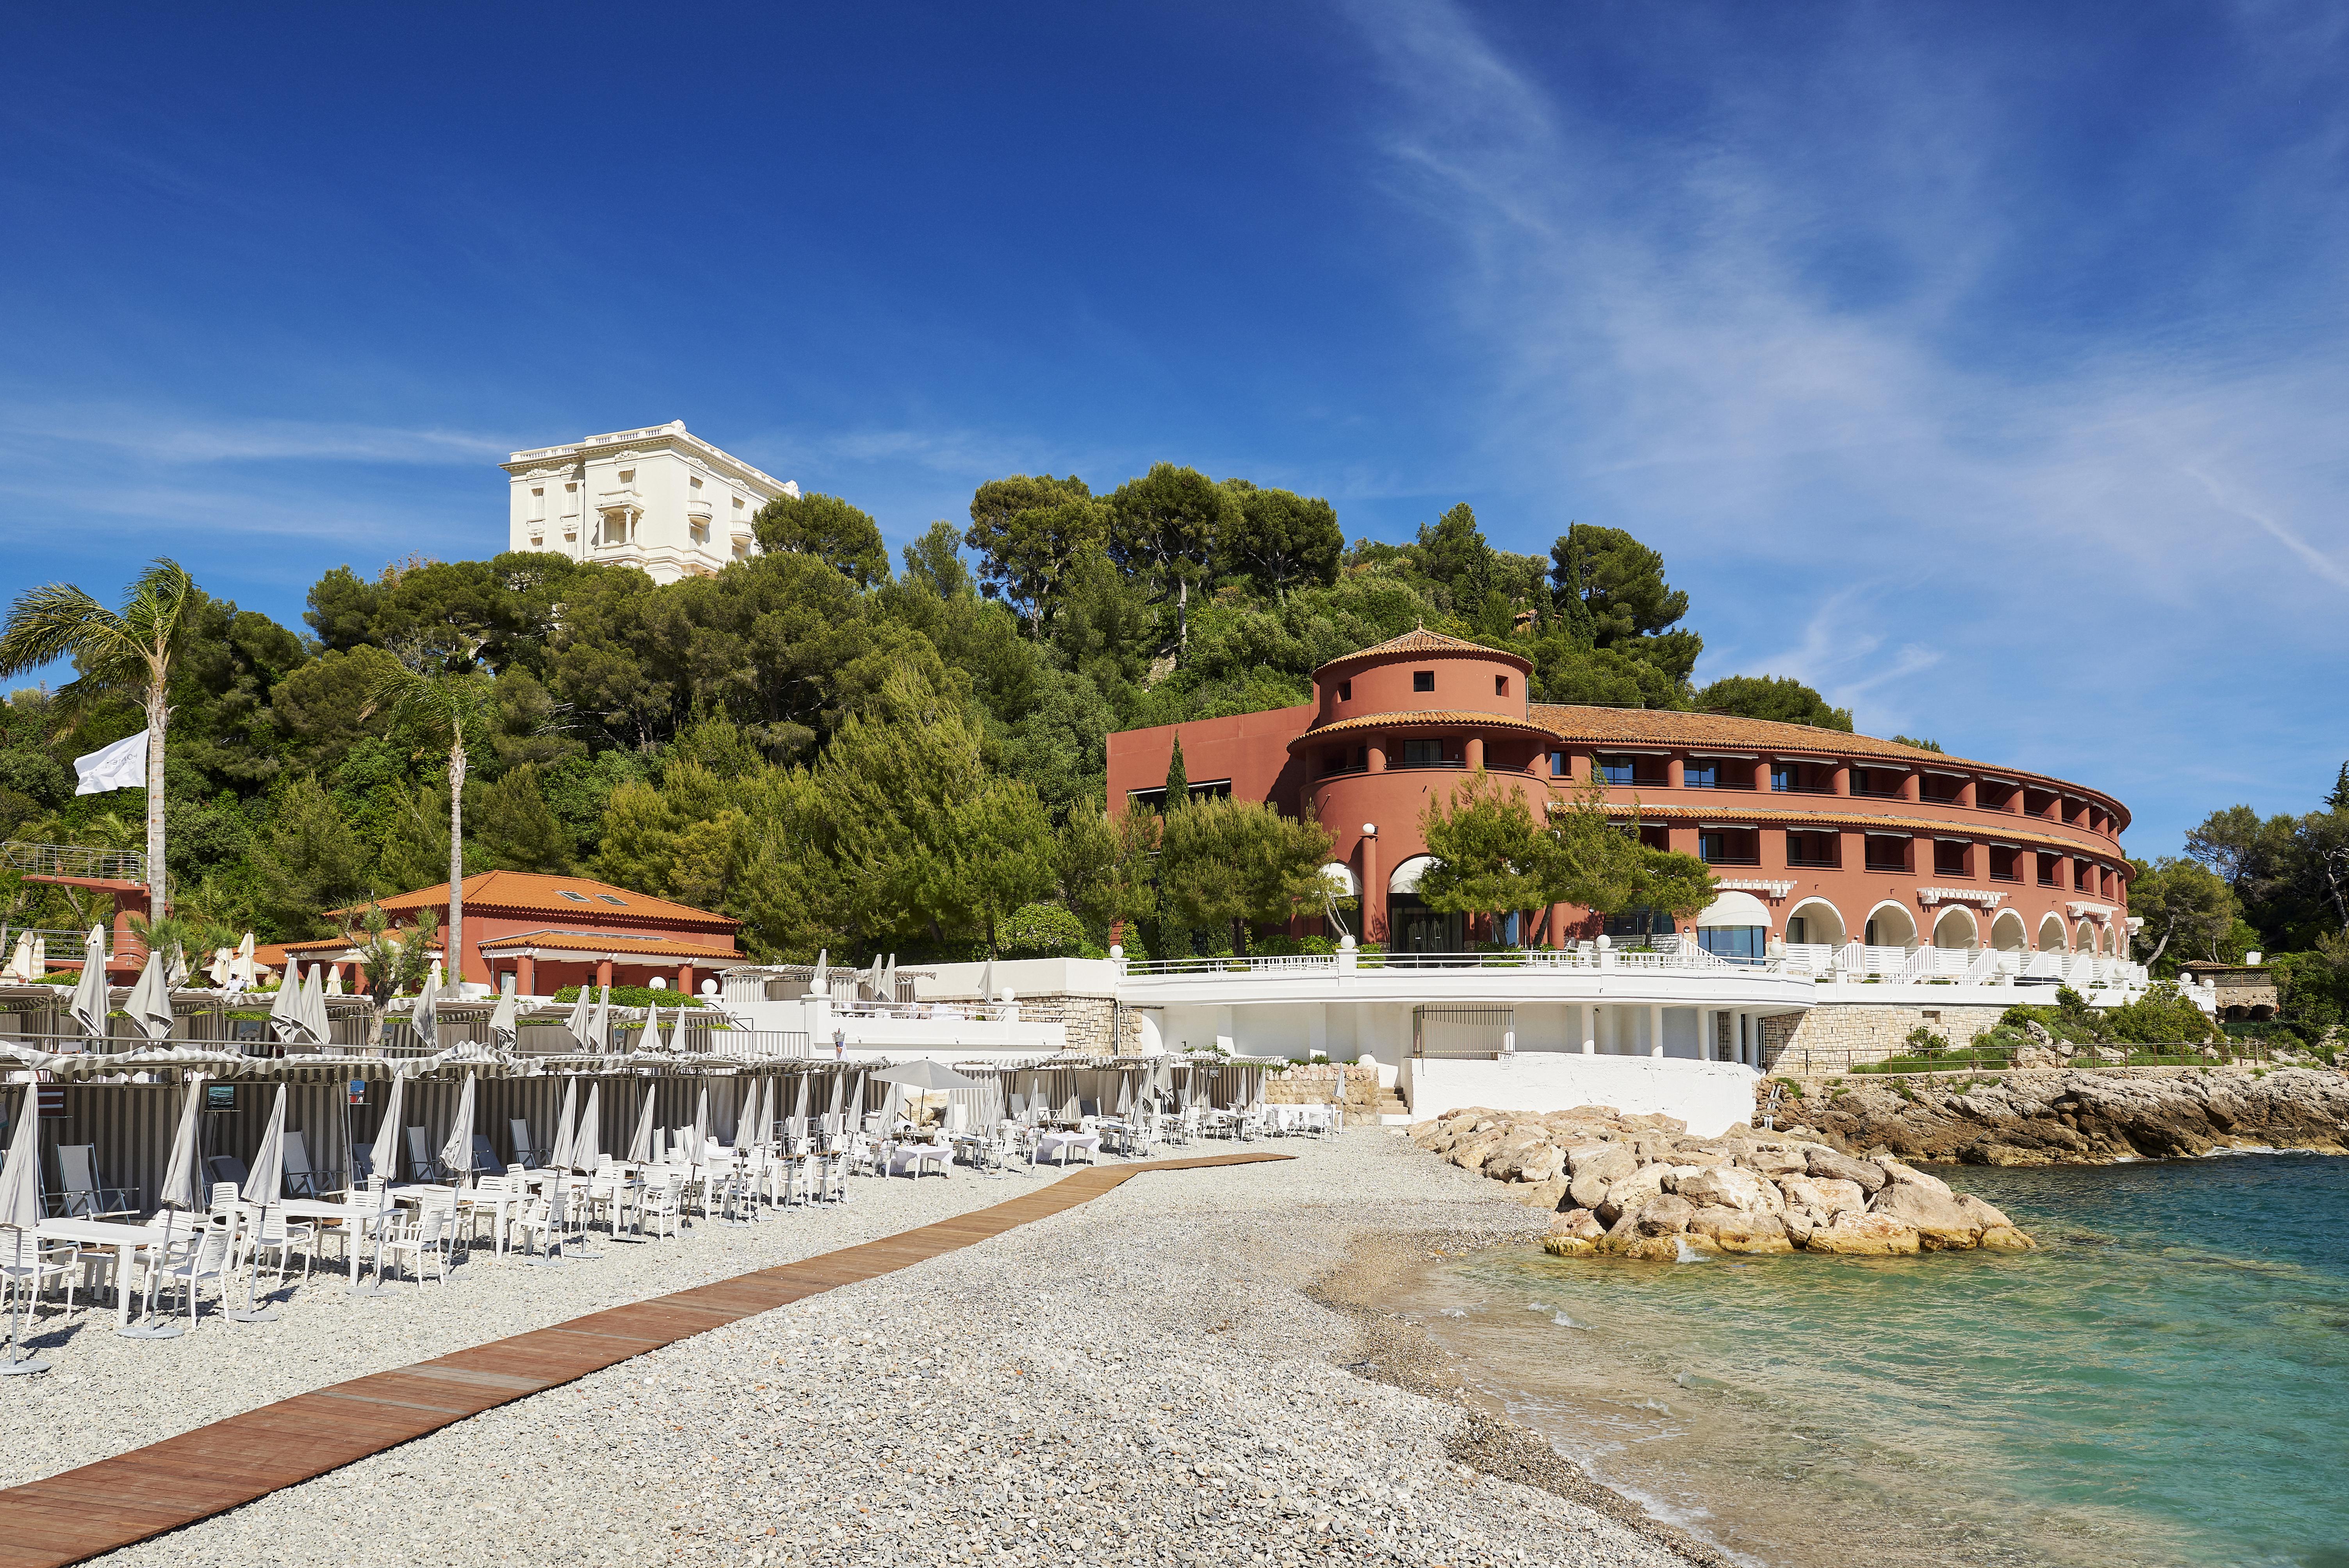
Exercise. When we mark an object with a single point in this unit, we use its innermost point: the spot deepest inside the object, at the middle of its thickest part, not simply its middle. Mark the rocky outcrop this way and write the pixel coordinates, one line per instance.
(1639, 1186)
(2071, 1117)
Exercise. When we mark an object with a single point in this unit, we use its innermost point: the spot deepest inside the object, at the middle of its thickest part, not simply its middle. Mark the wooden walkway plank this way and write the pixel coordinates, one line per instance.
(131, 1497)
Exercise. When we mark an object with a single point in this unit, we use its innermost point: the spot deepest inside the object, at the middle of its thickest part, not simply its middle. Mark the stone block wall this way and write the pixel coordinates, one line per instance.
(1089, 1022)
(1835, 1035)
(1313, 1086)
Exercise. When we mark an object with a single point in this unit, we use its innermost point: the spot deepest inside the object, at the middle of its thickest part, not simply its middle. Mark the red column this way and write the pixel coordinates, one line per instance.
(1762, 775)
(1374, 892)
(603, 973)
(1842, 778)
(685, 979)
(526, 975)
(1378, 754)
(1674, 777)
(1475, 752)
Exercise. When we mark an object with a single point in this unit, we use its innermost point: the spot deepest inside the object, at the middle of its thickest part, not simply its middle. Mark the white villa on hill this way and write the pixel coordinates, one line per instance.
(657, 498)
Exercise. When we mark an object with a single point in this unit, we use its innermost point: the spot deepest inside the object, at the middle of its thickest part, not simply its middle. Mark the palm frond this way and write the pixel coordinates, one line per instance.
(56, 621)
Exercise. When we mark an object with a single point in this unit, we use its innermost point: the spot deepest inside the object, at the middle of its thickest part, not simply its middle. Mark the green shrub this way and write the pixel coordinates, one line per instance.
(1923, 1042)
(1042, 930)
(633, 996)
(2160, 1016)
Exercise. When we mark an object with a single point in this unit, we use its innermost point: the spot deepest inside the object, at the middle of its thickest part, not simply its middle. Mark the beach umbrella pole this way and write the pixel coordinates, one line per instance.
(18, 1364)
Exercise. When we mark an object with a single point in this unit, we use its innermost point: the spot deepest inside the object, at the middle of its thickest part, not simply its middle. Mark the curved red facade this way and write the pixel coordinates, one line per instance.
(1832, 836)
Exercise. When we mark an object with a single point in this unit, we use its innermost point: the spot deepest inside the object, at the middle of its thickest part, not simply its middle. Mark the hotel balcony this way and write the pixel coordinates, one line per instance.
(698, 509)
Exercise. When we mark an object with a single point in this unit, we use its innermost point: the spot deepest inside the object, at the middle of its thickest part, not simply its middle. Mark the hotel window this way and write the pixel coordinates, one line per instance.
(1422, 680)
(628, 476)
(2003, 858)
(538, 503)
(1558, 766)
(1703, 774)
(1807, 848)
(615, 528)
(1500, 686)
(1728, 846)
(1345, 691)
(699, 530)
(1886, 853)
(1617, 770)
(2048, 864)
(571, 501)
(1422, 753)
(1784, 777)
(1949, 858)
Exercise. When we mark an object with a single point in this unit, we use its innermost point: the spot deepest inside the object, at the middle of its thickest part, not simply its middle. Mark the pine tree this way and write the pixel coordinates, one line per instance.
(1178, 782)
(2339, 800)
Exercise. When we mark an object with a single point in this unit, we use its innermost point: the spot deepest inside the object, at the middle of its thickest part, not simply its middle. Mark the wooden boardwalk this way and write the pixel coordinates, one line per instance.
(101, 1507)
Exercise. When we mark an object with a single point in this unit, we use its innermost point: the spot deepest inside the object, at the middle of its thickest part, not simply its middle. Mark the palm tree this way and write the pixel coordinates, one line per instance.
(445, 707)
(129, 651)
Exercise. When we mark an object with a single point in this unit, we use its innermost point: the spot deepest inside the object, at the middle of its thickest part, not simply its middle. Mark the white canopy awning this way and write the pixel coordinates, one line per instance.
(1406, 875)
(1341, 879)
(1734, 909)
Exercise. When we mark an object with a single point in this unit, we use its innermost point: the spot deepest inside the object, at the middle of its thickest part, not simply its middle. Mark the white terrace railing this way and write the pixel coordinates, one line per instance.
(73, 861)
(1855, 963)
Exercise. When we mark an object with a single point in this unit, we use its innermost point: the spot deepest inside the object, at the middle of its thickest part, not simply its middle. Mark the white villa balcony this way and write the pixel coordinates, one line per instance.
(698, 509)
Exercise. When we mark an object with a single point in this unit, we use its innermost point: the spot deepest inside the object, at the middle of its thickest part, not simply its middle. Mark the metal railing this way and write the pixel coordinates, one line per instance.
(1807, 1062)
(1663, 953)
(74, 861)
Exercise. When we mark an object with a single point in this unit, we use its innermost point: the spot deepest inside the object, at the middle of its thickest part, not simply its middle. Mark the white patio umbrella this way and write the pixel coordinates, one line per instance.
(179, 1191)
(287, 1020)
(149, 1005)
(800, 1100)
(457, 1154)
(855, 1100)
(816, 980)
(746, 1123)
(425, 1016)
(384, 1157)
(89, 998)
(986, 981)
(264, 1186)
(578, 1023)
(314, 1007)
(566, 1126)
(20, 963)
(889, 983)
(175, 968)
(701, 1126)
(242, 967)
(335, 981)
(222, 970)
(505, 1022)
(587, 1147)
(640, 1147)
(601, 1026)
(20, 1210)
(1125, 1094)
(651, 1038)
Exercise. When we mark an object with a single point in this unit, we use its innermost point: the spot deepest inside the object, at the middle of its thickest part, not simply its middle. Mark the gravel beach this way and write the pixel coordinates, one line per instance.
(1192, 1369)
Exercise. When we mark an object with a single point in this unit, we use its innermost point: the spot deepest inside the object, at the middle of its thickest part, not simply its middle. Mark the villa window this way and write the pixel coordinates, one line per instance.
(1345, 691)
(2003, 866)
(1696, 774)
(700, 531)
(1807, 848)
(1729, 846)
(1423, 754)
(1617, 770)
(1734, 940)
(1798, 930)
(1886, 853)
(538, 503)
(1558, 766)
(615, 528)
(1949, 858)
(1500, 686)
(1422, 680)
(628, 476)
(2048, 864)
(616, 901)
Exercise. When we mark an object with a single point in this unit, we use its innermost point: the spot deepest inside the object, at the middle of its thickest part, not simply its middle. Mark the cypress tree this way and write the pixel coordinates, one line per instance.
(2336, 801)
(1178, 782)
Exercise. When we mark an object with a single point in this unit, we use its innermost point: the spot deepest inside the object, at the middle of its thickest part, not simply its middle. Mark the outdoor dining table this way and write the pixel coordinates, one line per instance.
(911, 1156)
(1050, 1143)
(353, 1218)
(126, 1241)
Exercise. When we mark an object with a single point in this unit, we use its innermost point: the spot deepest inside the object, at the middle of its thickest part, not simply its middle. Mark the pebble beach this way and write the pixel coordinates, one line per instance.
(1191, 1368)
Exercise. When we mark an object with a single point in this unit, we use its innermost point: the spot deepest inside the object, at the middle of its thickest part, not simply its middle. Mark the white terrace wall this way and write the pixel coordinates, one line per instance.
(1709, 1097)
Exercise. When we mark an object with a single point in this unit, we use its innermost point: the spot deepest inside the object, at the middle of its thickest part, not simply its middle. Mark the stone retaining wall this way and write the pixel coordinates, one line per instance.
(1840, 1035)
(1088, 1018)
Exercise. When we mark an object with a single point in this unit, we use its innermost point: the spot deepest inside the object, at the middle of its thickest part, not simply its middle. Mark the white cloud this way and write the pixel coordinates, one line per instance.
(148, 437)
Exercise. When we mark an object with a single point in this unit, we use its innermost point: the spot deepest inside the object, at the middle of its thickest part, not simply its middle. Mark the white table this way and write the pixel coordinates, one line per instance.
(353, 1218)
(126, 1241)
(905, 1157)
(1050, 1143)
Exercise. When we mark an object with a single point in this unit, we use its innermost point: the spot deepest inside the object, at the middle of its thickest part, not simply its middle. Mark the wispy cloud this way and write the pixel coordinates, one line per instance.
(145, 435)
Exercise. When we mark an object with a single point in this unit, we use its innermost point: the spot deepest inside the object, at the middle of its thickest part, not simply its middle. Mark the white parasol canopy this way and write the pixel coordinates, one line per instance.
(587, 1149)
(266, 1180)
(567, 1126)
(601, 1026)
(701, 1126)
(506, 1022)
(149, 1005)
(89, 998)
(313, 1009)
(241, 967)
(652, 1035)
(578, 1023)
(20, 1210)
(457, 1154)
(640, 1147)
(180, 1189)
(385, 1155)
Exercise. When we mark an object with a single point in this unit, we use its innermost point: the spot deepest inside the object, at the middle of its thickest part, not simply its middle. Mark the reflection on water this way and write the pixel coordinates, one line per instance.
(2167, 1381)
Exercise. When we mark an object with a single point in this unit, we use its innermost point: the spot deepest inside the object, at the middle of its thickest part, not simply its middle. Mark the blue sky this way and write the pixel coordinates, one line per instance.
(1982, 364)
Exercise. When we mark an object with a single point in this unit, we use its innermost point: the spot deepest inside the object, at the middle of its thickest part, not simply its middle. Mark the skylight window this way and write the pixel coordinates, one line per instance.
(615, 902)
(573, 897)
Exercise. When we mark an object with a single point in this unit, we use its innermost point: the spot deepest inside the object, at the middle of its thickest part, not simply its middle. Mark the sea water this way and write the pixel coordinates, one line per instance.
(2166, 1380)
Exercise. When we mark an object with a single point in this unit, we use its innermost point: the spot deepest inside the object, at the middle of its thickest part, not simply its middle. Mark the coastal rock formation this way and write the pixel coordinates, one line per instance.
(1639, 1186)
(2079, 1118)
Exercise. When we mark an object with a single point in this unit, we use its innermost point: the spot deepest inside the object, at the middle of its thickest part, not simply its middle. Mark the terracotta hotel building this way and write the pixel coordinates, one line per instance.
(1817, 837)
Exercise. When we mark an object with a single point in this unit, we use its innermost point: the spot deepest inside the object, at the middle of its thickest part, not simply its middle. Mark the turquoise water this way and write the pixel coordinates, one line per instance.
(2166, 1382)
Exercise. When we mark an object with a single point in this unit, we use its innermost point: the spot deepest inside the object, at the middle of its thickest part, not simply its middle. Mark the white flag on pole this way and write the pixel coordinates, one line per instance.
(122, 766)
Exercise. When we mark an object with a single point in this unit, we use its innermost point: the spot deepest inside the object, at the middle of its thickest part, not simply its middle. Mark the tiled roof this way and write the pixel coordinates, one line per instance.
(618, 942)
(1423, 641)
(1418, 717)
(533, 893)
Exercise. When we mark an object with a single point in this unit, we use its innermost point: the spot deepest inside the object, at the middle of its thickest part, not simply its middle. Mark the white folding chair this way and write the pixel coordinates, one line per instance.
(426, 1237)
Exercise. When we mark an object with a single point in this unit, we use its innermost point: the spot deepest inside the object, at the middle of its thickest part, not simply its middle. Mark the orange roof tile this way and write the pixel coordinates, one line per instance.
(1423, 641)
(1420, 716)
(531, 892)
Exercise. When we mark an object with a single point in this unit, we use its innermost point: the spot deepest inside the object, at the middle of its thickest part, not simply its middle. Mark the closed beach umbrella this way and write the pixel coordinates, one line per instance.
(175, 968)
(89, 998)
(457, 1154)
(701, 1125)
(855, 1100)
(799, 1101)
(285, 1008)
(600, 1026)
(746, 1131)
(567, 1126)
(243, 963)
(179, 1189)
(587, 1149)
(640, 1147)
(20, 1210)
(335, 980)
(424, 1015)
(313, 1009)
(816, 982)
(651, 1039)
(1124, 1094)
(384, 1157)
(222, 970)
(578, 1023)
(267, 1179)
(506, 1022)
(986, 981)
(150, 999)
